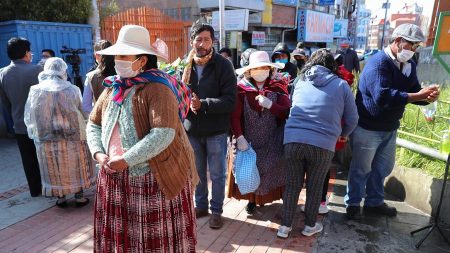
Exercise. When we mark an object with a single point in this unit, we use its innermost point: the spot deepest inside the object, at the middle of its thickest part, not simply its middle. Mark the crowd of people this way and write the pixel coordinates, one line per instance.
(155, 138)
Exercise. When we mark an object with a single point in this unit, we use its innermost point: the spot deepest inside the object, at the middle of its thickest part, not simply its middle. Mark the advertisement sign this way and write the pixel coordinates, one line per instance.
(442, 40)
(235, 20)
(326, 2)
(285, 2)
(258, 38)
(340, 28)
(315, 26)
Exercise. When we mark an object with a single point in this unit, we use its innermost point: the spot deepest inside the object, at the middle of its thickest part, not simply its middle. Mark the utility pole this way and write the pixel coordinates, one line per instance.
(222, 23)
(386, 7)
(369, 30)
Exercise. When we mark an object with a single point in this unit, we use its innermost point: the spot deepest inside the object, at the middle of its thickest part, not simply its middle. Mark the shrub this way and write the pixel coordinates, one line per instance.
(66, 11)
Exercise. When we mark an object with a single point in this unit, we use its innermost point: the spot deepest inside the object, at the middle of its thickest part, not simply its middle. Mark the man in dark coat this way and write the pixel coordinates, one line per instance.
(351, 60)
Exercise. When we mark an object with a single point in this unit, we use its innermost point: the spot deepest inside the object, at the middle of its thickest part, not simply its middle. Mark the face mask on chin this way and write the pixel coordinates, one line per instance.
(404, 55)
(124, 68)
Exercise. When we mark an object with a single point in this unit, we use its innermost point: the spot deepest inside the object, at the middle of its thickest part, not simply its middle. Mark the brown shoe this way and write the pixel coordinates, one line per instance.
(200, 213)
(215, 221)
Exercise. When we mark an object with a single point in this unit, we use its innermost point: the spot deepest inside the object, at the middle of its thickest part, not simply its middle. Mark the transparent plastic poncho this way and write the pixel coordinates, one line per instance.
(53, 110)
(55, 121)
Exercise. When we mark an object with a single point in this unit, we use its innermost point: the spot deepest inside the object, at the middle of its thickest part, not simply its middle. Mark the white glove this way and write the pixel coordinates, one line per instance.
(242, 143)
(264, 101)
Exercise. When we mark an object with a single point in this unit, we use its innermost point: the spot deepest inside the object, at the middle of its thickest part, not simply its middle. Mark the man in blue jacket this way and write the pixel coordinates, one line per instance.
(387, 83)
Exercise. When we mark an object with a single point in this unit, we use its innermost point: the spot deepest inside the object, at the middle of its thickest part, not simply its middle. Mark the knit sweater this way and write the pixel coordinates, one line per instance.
(151, 133)
(383, 93)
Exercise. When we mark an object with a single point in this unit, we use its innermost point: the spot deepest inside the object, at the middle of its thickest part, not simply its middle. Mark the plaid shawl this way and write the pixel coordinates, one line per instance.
(179, 89)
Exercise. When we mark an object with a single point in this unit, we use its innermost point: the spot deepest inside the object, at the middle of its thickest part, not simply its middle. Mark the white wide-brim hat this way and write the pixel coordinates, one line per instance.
(135, 40)
(259, 59)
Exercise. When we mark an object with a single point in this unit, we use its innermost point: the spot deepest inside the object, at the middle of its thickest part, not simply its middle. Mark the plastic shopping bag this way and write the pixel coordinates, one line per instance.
(245, 171)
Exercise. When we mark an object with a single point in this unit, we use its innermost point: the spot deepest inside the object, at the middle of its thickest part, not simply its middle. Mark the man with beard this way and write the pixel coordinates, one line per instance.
(213, 84)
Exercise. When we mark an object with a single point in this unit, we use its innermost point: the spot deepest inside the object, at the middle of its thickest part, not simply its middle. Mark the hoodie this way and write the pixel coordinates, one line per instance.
(319, 103)
(289, 67)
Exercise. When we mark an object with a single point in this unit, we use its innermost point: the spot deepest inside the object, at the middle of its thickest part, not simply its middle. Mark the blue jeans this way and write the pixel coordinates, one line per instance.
(373, 158)
(210, 152)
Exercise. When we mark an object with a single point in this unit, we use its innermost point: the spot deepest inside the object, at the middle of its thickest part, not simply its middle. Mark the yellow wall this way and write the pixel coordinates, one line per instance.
(267, 14)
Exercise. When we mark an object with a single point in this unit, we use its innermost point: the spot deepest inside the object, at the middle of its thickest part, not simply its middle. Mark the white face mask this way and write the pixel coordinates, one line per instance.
(123, 68)
(31, 57)
(404, 55)
(260, 75)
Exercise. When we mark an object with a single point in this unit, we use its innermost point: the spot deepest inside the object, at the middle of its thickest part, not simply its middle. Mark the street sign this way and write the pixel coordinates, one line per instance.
(235, 20)
(315, 26)
(258, 38)
(326, 2)
(442, 40)
(340, 28)
(285, 2)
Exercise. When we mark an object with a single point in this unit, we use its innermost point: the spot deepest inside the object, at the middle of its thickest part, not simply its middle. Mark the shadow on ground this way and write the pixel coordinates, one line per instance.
(375, 234)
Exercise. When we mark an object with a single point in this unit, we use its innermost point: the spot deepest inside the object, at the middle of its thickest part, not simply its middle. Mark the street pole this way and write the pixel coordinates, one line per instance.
(369, 30)
(222, 23)
(384, 25)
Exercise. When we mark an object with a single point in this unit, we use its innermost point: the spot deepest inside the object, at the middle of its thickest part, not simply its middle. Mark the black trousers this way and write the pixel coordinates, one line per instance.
(325, 187)
(30, 164)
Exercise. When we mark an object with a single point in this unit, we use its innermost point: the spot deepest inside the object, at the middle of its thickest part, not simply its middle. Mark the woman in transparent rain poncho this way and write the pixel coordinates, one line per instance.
(55, 122)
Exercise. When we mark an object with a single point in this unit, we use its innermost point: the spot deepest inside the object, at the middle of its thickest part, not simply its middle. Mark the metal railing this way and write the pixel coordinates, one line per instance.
(416, 130)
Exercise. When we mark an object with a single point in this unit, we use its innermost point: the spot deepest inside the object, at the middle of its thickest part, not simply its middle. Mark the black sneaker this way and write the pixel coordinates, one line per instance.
(383, 209)
(353, 213)
(251, 207)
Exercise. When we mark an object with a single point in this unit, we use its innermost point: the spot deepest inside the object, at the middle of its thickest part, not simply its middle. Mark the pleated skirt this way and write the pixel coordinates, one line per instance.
(133, 215)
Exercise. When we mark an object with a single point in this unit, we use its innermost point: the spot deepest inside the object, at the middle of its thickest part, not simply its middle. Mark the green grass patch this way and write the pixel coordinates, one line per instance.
(411, 159)
(424, 132)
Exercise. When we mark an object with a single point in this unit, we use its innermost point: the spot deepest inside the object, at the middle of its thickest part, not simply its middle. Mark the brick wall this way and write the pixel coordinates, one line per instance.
(283, 15)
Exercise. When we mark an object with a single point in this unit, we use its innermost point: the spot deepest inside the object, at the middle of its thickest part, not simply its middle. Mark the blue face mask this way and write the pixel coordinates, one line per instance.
(284, 61)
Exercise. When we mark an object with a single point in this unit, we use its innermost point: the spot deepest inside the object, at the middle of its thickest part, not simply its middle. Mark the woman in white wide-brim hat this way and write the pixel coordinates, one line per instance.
(261, 108)
(144, 200)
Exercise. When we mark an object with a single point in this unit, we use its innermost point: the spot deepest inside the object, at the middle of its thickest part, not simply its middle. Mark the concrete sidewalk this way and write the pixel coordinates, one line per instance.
(376, 234)
(16, 204)
(36, 225)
